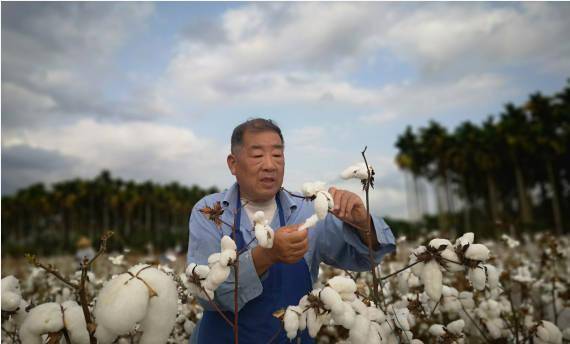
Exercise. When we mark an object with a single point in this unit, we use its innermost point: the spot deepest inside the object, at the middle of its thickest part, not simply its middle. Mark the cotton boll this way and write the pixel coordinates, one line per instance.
(437, 330)
(477, 252)
(465, 239)
(432, 279)
(401, 318)
(375, 314)
(466, 299)
(119, 307)
(227, 244)
(75, 322)
(259, 217)
(41, 319)
(213, 259)
(291, 321)
(227, 257)
(494, 327)
(323, 203)
(417, 269)
(11, 293)
(218, 274)
(477, 278)
(309, 222)
(21, 313)
(450, 256)
(342, 284)
(189, 326)
(346, 318)
(492, 276)
(456, 326)
(548, 333)
(161, 312)
(332, 300)
(201, 270)
(314, 322)
(311, 189)
(438, 243)
(359, 306)
(359, 331)
(374, 333)
(357, 171)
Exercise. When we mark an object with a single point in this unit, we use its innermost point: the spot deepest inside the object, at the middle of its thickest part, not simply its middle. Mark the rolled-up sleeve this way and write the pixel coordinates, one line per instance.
(204, 240)
(341, 246)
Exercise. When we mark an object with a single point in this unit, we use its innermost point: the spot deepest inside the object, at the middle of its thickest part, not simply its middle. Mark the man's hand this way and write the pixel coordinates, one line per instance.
(348, 207)
(289, 246)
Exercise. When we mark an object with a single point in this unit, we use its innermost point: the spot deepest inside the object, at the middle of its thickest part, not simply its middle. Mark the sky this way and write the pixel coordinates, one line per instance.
(152, 91)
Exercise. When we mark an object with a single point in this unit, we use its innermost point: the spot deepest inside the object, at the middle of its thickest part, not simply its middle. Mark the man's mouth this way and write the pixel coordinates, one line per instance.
(267, 180)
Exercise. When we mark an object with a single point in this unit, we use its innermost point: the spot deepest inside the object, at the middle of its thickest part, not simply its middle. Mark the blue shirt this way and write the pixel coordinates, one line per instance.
(331, 241)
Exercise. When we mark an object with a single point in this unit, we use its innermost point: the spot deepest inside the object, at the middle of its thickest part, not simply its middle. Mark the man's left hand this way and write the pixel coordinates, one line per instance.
(349, 208)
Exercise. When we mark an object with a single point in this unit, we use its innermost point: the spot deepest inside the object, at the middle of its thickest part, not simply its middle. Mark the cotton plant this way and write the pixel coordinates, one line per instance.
(205, 279)
(264, 234)
(546, 332)
(322, 199)
(145, 296)
(450, 333)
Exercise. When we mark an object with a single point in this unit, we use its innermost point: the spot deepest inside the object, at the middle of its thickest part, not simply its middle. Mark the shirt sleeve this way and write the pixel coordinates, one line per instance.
(204, 240)
(339, 244)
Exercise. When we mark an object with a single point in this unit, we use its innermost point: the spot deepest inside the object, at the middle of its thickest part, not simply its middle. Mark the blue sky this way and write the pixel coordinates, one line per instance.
(153, 90)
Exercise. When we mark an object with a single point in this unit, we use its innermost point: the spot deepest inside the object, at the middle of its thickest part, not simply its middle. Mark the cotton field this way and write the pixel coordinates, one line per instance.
(462, 290)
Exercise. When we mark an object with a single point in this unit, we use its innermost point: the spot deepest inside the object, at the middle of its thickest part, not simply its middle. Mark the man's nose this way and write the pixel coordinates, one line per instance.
(269, 163)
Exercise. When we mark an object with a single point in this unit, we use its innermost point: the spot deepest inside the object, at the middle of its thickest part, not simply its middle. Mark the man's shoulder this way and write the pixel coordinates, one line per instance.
(211, 199)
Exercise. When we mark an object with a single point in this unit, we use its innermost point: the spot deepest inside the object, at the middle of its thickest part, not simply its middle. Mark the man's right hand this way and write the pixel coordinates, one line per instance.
(289, 244)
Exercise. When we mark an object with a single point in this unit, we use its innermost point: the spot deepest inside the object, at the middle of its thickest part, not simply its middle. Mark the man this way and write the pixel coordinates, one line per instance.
(270, 279)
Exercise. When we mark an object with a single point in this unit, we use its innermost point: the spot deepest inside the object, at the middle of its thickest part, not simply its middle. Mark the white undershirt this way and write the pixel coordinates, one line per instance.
(268, 207)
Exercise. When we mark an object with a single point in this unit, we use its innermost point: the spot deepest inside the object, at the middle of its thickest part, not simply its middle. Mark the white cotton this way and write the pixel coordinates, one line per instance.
(401, 318)
(264, 235)
(311, 189)
(227, 257)
(465, 239)
(75, 322)
(309, 222)
(161, 312)
(41, 319)
(466, 299)
(213, 259)
(492, 276)
(11, 293)
(314, 322)
(189, 326)
(342, 285)
(437, 243)
(432, 279)
(119, 307)
(477, 278)
(495, 327)
(323, 203)
(437, 330)
(375, 314)
(477, 252)
(359, 306)
(291, 321)
(332, 300)
(201, 270)
(374, 336)
(117, 260)
(259, 217)
(416, 341)
(21, 313)
(548, 333)
(227, 244)
(417, 269)
(450, 256)
(346, 318)
(357, 171)
(218, 274)
(456, 327)
(303, 304)
(359, 331)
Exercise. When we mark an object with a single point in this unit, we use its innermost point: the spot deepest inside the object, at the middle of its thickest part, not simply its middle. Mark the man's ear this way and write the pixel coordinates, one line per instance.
(232, 162)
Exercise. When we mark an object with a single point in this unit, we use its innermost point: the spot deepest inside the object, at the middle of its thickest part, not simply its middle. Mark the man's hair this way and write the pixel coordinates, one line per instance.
(253, 125)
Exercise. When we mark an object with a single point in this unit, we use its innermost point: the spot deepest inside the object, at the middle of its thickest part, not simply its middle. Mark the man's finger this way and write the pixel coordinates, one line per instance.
(299, 245)
(343, 212)
(297, 236)
(350, 204)
(337, 198)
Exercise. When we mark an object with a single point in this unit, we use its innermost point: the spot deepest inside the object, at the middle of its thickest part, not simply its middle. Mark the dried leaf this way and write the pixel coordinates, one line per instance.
(54, 337)
(214, 213)
(279, 313)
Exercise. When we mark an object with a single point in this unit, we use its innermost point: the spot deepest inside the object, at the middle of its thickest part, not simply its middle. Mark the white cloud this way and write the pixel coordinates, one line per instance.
(136, 150)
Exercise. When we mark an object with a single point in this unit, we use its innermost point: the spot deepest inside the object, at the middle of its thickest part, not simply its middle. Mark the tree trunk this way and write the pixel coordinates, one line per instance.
(555, 198)
(466, 208)
(524, 203)
(493, 198)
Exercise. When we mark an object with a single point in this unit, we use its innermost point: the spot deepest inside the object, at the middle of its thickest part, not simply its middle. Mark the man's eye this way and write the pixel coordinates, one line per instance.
(258, 156)
(277, 155)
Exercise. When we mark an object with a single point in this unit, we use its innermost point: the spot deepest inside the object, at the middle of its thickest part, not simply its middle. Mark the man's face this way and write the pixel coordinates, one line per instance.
(258, 165)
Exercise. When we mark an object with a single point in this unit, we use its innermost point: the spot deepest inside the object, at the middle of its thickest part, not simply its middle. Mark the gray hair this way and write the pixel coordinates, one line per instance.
(254, 125)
